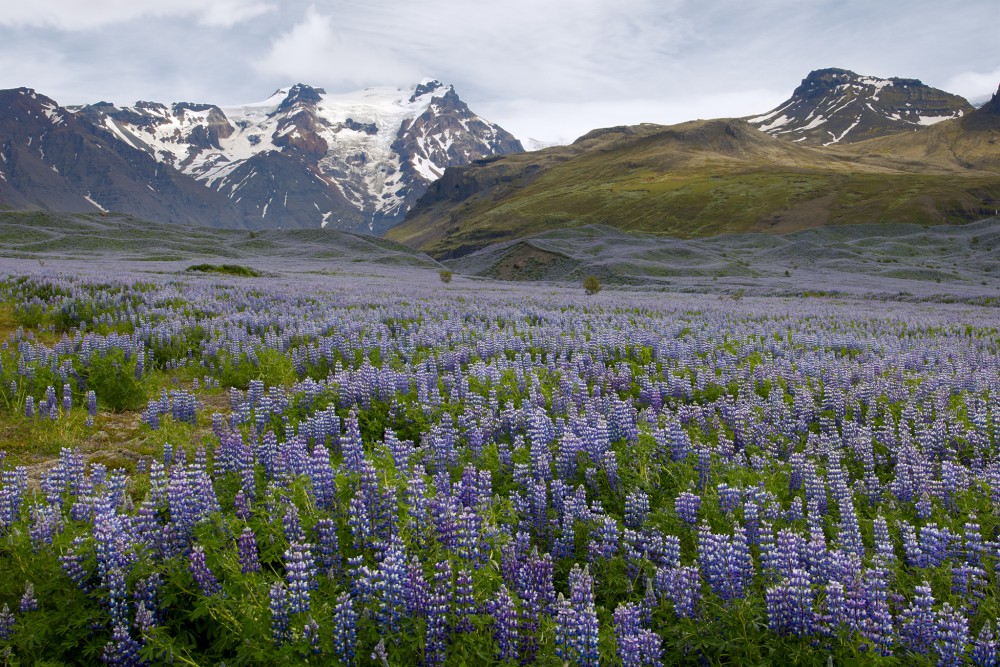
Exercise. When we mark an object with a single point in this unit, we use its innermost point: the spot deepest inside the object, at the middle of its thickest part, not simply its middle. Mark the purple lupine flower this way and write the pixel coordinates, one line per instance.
(67, 399)
(790, 605)
(13, 485)
(984, 650)
(361, 523)
(505, 629)
(145, 594)
(291, 524)
(328, 546)
(45, 523)
(241, 506)
(683, 589)
(918, 626)
(345, 621)
(310, 632)
(122, 650)
(973, 541)
(725, 561)
(687, 506)
(6, 623)
(28, 601)
(636, 508)
(278, 603)
(637, 646)
(576, 621)
(389, 585)
(729, 498)
(117, 595)
(352, 445)
(72, 565)
(610, 464)
(416, 592)
(704, 467)
(969, 583)
(246, 546)
(604, 538)
(437, 615)
(952, 636)
(878, 624)
(300, 574)
(202, 575)
(883, 542)
(144, 618)
(379, 653)
(465, 601)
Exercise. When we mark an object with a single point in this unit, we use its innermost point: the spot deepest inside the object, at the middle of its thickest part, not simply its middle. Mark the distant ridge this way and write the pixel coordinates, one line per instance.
(703, 178)
(834, 106)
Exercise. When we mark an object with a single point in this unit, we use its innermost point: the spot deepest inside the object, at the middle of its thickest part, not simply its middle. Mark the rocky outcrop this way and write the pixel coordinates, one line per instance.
(839, 106)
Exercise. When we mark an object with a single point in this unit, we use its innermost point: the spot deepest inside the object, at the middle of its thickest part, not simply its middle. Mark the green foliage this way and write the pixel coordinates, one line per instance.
(270, 366)
(227, 269)
(445, 275)
(112, 376)
(592, 285)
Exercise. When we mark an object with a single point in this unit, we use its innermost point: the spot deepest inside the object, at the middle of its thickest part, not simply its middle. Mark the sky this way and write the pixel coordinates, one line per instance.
(548, 70)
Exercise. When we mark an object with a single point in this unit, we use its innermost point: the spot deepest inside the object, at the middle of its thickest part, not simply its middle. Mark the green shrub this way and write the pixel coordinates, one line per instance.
(445, 275)
(592, 284)
(113, 379)
(272, 367)
(228, 269)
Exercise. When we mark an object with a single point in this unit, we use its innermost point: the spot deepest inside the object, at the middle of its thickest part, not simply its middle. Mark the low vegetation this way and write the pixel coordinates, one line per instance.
(334, 469)
(228, 269)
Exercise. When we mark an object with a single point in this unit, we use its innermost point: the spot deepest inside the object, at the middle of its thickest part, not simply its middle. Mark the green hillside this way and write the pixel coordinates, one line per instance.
(698, 179)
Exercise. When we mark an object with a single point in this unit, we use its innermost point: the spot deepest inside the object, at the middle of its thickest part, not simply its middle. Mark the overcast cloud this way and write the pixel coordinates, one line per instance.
(544, 69)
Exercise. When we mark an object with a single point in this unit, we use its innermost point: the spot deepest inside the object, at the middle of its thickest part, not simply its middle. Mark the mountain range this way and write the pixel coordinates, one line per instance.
(418, 166)
(301, 158)
(728, 175)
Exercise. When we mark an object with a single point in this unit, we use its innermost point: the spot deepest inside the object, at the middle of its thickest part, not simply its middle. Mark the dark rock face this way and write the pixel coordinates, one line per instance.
(357, 162)
(838, 106)
(447, 133)
(55, 159)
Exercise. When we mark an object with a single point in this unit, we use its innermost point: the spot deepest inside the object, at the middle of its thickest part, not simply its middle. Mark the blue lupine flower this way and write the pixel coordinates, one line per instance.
(202, 575)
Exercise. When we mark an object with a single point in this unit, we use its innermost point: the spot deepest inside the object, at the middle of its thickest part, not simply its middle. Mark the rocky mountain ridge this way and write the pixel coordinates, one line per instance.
(834, 106)
(301, 158)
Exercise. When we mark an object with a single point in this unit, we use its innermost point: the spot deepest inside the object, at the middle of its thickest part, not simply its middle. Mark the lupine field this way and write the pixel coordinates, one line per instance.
(348, 470)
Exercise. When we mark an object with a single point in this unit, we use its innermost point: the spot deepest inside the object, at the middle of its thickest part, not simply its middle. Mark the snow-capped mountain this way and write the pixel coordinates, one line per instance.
(838, 106)
(305, 158)
(51, 158)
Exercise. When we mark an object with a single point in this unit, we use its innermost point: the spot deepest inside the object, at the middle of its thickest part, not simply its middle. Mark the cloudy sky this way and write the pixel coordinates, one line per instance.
(544, 69)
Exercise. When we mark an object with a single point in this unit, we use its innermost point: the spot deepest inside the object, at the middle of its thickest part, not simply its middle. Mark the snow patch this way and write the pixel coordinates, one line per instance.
(933, 120)
(99, 207)
(836, 139)
(780, 122)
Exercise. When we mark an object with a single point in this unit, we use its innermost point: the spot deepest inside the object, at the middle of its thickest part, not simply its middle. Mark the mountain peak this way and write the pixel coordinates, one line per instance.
(993, 106)
(840, 106)
(300, 92)
(426, 86)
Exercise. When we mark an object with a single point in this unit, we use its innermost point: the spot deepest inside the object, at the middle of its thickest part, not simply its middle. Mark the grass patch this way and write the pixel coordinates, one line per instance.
(227, 269)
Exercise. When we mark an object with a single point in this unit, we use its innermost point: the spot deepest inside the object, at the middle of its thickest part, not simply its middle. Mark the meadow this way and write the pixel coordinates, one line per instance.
(380, 469)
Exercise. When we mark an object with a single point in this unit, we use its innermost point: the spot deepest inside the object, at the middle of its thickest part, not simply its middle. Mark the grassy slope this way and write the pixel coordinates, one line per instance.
(698, 179)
